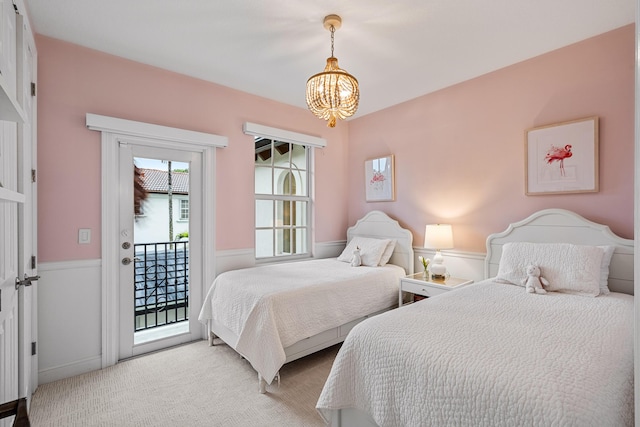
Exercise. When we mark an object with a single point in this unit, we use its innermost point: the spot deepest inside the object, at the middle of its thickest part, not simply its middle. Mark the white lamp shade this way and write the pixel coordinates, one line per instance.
(438, 236)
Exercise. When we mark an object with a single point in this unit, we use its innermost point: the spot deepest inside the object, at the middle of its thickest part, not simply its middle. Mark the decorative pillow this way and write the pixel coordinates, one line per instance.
(388, 251)
(569, 268)
(604, 268)
(371, 250)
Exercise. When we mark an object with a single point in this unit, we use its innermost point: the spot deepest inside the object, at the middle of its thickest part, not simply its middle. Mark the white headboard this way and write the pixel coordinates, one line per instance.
(379, 225)
(563, 226)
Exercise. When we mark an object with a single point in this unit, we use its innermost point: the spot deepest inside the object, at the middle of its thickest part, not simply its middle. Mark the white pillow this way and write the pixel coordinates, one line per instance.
(568, 268)
(604, 268)
(371, 250)
(388, 251)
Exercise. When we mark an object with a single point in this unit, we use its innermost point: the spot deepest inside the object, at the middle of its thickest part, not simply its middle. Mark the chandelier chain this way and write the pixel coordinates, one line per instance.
(333, 30)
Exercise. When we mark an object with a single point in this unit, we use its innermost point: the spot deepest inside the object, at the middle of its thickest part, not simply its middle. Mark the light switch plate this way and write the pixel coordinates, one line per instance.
(84, 236)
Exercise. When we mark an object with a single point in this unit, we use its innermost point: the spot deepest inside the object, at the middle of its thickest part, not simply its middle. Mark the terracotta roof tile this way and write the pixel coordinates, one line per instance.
(156, 181)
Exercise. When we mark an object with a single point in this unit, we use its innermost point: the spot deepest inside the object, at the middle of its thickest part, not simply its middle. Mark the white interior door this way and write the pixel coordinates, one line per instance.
(130, 341)
(17, 370)
(18, 326)
(27, 237)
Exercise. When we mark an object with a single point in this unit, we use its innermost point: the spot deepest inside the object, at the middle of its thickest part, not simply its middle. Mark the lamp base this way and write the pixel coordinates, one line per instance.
(438, 270)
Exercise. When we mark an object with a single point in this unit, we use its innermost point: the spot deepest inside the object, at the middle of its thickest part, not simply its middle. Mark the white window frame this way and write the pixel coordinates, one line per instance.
(309, 142)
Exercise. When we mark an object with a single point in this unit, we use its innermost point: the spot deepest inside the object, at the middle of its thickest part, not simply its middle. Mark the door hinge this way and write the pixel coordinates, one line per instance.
(33, 175)
(33, 348)
(33, 89)
(33, 262)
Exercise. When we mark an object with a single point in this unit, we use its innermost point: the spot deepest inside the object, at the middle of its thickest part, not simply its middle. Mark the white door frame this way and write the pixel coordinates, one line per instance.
(113, 130)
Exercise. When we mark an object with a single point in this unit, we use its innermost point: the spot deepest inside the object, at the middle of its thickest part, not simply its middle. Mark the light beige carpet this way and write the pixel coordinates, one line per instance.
(191, 385)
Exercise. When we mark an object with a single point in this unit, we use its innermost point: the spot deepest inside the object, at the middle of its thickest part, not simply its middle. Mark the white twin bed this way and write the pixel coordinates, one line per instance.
(276, 313)
(491, 354)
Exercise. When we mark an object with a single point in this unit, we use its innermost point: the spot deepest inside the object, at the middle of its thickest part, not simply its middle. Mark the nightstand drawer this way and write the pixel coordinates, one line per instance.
(423, 289)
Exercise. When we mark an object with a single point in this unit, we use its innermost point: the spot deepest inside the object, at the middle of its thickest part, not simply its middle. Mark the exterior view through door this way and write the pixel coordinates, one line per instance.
(161, 248)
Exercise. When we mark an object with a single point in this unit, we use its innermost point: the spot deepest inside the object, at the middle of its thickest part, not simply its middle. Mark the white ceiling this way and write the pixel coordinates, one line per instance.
(397, 50)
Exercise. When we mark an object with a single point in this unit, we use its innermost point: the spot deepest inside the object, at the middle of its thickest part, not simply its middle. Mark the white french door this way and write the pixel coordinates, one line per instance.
(116, 133)
(18, 364)
(132, 343)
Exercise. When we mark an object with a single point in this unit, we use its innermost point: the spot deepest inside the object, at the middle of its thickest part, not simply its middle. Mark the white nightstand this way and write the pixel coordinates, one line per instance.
(417, 284)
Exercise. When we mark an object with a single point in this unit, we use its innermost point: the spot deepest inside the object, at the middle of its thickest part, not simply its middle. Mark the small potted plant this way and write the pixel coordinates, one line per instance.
(425, 264)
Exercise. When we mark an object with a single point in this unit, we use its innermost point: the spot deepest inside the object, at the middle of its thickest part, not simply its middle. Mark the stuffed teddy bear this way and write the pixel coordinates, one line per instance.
(356, 260)
(534, 283)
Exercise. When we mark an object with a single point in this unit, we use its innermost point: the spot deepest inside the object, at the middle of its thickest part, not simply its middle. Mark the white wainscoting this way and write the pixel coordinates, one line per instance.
(465, 265)
(244, 258)
(468, 265)
(69, 328)
(329, 249)
(69, 341)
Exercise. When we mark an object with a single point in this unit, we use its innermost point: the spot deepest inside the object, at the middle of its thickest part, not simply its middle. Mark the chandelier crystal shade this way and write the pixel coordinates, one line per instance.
(334, 93)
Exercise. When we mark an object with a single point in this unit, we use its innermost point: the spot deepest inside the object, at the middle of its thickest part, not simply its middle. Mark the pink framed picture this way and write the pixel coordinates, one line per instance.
(562, 158)
(379, 179)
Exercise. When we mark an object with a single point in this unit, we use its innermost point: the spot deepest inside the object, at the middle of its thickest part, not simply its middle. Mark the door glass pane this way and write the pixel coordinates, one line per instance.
(161, 246)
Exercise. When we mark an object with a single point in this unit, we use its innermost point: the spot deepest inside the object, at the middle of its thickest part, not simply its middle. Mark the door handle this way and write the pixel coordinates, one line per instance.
(26, 281)
(127, 260)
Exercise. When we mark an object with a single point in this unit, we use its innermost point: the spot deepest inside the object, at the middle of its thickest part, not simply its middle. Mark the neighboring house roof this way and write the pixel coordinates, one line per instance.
(157, 181)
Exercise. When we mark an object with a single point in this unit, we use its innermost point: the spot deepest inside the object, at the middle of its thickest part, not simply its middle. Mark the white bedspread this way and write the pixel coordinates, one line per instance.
(271, 307)
(490, 355)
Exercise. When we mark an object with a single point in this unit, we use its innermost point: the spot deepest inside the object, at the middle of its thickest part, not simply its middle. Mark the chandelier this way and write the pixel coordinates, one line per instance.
(334, 93)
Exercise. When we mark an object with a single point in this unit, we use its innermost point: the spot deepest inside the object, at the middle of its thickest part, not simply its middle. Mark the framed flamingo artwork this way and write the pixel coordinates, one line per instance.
(562, 158)
(379, 179)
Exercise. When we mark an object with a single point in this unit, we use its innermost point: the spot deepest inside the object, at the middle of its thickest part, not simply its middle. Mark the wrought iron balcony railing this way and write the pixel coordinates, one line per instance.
(161, 284)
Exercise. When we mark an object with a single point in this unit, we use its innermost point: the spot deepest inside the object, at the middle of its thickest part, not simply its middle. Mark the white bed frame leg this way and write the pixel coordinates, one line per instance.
(262, 384)
(210, 335)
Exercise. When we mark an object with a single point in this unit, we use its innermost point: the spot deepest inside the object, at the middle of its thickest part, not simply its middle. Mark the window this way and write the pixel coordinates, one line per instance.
(282, 198)
(184, 209)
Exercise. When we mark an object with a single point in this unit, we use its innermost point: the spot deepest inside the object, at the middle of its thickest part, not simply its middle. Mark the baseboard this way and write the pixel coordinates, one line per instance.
(69, 370)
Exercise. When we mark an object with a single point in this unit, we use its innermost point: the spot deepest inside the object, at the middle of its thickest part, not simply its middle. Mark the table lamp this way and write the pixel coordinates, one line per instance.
(438, 236)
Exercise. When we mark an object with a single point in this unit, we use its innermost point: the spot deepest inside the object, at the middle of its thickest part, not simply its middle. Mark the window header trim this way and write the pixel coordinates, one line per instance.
(283, 135)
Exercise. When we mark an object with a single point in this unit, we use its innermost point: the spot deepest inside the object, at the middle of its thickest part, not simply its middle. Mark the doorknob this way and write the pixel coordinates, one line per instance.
(26, 281)
(127, 260)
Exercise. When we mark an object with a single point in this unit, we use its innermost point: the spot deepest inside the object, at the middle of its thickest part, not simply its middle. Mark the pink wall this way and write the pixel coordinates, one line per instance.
(459, 152)
(73, 81)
